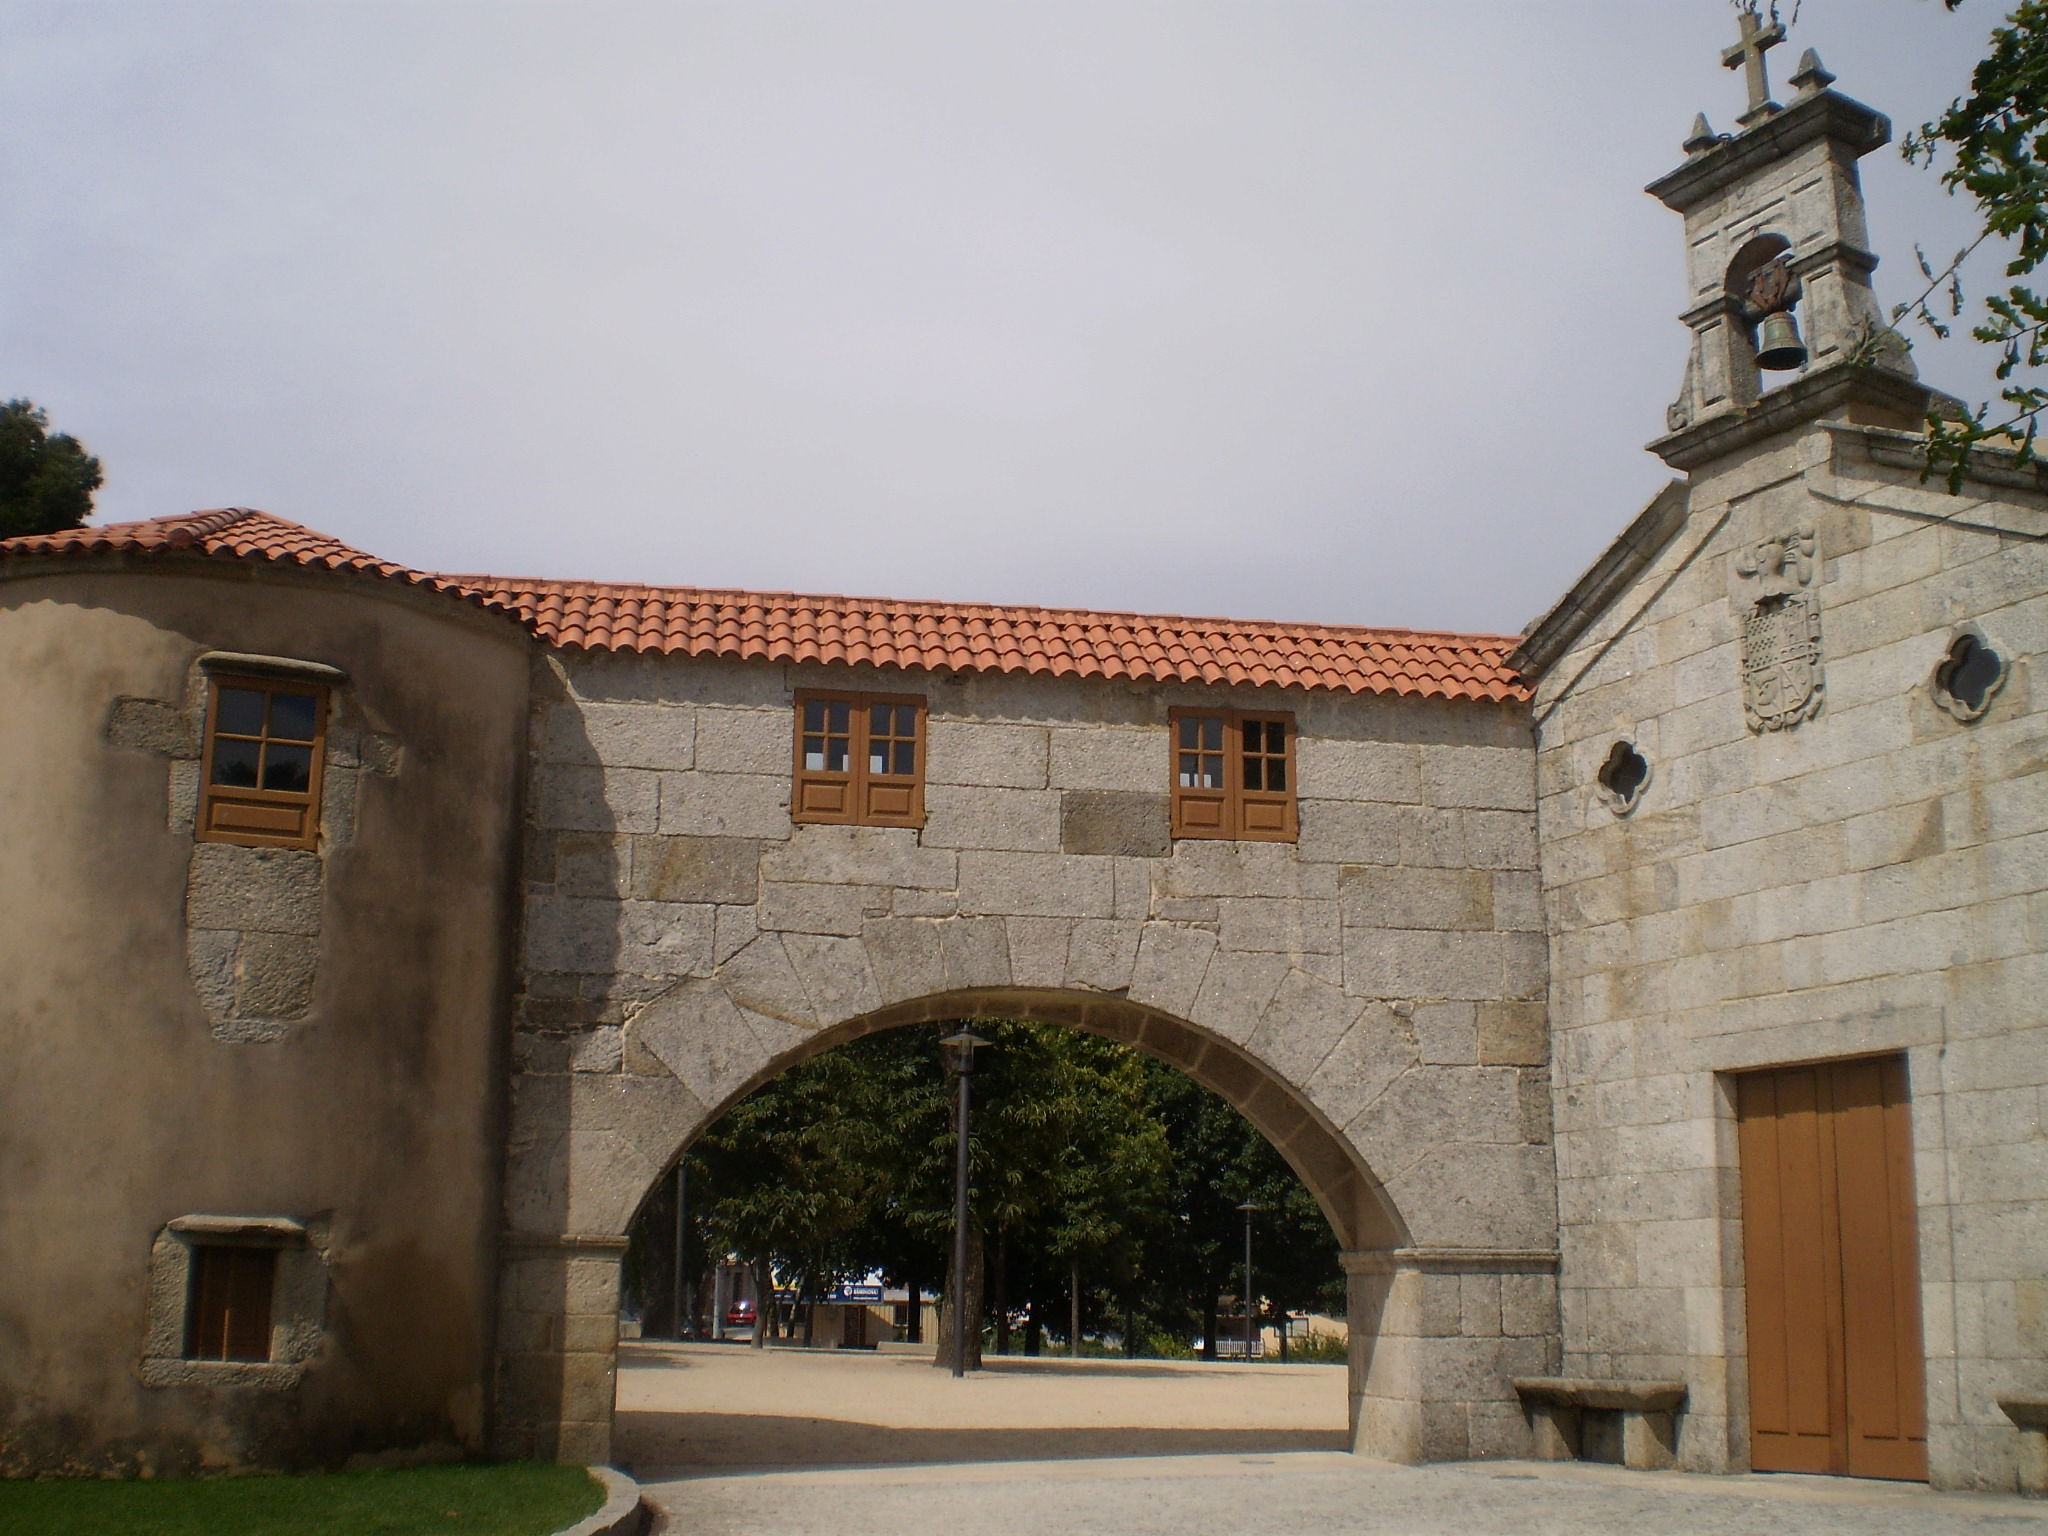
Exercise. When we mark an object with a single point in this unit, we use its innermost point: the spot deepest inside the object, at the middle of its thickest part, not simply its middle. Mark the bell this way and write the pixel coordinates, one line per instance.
(1778, 347)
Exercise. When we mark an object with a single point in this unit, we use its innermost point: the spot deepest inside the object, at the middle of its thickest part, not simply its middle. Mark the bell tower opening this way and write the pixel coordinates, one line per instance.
(1779, 266)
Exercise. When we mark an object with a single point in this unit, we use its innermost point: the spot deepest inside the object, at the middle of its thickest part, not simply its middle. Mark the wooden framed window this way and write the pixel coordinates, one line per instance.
(859, 759)
(1233, 774)
(232, 1286)
(265, 741)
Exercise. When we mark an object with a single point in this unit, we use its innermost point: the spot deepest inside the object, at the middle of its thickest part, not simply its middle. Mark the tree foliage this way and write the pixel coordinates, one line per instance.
(1992, 145)
(1086, 1158)
(46, 482)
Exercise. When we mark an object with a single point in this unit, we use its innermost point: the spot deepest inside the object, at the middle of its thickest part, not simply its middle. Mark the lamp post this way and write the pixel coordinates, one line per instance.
(1249, 1313)
(959, 1051)
(680, 1327)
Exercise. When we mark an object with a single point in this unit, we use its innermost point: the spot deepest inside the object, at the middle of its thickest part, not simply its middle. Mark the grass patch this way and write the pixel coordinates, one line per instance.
(467, 1499)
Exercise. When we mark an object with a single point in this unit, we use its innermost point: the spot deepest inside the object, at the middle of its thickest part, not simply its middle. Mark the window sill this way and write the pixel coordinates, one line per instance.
(257, 1375)
(272, 666)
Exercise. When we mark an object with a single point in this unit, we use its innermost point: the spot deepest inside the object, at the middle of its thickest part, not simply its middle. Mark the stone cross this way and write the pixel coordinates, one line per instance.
(1748, 56)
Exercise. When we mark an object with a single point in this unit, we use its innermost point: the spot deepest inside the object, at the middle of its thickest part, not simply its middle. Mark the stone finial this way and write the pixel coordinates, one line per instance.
(1812, 75)
(1702, 138)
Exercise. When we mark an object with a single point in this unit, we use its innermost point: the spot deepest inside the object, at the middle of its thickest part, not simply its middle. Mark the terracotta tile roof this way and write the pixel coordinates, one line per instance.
(858, 631)
(236, 532)
(980, 637)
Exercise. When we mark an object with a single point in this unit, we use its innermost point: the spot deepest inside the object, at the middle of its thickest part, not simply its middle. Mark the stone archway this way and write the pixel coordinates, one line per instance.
(1357, 1209)
(1452, 1277)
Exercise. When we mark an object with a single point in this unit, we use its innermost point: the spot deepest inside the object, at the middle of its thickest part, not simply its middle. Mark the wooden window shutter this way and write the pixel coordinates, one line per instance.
(1201, 746)
(230, 1302)
(266, 746)
(1265, 778)
(892, 761)
(1232, 774)
(823, 789)
(859, 759)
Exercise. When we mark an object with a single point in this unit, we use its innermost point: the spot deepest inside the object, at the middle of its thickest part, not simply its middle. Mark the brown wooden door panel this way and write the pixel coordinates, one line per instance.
(823, 799)
(891, 802)
(1792, 1326)
(1267, 816)
(1836, 1364)
(257, 818)
(1884, 1372)
(1203, 813)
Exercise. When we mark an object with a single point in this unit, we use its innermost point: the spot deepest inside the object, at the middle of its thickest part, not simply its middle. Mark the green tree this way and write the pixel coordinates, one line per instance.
(1077, 1169)
(1219, 1161)
(1096, 1172)
(46, 482)
(1992, 146)
(792, 1173)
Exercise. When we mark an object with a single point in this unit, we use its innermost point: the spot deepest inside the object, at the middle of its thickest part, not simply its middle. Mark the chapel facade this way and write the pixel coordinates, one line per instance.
(1650, 1000)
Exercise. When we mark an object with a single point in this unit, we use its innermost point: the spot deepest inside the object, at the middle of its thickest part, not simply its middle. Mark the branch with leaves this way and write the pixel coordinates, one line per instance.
(1766, 11)
(1998, 137)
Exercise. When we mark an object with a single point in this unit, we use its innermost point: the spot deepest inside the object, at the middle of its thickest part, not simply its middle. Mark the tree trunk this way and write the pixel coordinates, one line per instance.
(705, 1314)
(764, 1303)
(915, 1290)
(1002, 1278)
(1034, 1330)
(1209, 1310)
(970, 1307)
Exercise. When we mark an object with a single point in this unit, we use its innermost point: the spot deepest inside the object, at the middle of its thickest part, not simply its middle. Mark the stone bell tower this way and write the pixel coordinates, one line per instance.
(1778, 268)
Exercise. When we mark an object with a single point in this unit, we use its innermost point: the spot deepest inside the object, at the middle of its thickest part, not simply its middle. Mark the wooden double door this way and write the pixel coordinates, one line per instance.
(1837, 1374)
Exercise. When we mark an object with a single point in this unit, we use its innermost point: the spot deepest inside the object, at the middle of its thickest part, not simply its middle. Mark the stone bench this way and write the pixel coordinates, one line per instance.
(2031, 1415)
(1587, 1418)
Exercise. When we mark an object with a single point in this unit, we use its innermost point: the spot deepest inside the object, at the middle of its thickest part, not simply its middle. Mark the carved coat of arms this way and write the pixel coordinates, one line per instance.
(1781, 654)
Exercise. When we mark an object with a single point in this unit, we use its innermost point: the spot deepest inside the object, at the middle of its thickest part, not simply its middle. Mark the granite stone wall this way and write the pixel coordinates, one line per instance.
(1866, 878)
(1372, 997)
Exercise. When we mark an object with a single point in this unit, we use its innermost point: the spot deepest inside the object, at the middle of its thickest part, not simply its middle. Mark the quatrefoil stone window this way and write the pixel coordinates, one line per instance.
(1623, 778)
(1970, 674)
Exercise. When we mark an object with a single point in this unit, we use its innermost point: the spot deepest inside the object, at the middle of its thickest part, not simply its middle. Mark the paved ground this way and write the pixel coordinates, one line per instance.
(1313, 1493)
(697, 1407)
(730, 1442)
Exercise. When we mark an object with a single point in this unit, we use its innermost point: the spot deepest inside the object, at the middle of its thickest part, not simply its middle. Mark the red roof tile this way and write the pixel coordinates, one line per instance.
(856, 631)
(237, 532)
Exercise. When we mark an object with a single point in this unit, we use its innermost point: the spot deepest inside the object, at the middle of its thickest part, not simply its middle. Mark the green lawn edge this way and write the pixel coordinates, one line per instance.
(461, 1498)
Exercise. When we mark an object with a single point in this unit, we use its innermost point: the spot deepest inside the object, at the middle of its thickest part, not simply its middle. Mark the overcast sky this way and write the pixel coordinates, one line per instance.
(1276, 308)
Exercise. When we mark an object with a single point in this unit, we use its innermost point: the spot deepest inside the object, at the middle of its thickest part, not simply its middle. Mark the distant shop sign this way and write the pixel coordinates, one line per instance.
(840, 1295)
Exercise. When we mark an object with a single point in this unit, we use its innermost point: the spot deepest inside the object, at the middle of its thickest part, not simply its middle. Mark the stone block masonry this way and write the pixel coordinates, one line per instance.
(1863, 883)
(1372, 996)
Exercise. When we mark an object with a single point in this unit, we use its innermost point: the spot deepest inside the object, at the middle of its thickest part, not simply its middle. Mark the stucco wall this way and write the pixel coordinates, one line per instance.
(368, 1103)
(1869, 880)
(1372, 996)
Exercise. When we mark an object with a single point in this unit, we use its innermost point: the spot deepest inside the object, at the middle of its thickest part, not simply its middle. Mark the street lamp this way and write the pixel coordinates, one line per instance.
(959, 1058)
(1248, 1207)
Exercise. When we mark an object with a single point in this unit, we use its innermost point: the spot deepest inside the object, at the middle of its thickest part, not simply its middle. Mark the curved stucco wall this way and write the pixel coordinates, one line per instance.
(317, 1040)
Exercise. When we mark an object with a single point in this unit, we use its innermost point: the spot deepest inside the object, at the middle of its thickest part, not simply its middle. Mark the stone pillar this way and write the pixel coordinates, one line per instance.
(558, 1333)
(1437, 1337)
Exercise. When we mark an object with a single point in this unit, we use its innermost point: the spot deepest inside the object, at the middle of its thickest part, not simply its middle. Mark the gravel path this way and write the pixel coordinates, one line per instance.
(1311, 1494)
(731, 1442)
(724, 1406)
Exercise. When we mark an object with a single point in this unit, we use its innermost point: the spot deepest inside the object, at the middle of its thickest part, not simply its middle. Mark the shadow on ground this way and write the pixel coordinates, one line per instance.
(671, 1445)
